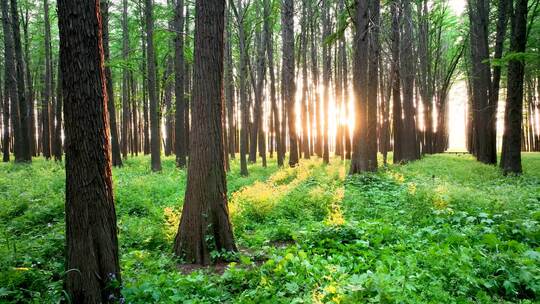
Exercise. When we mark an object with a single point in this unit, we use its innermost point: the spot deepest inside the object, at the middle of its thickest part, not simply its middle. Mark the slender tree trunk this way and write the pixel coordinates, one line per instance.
(5, 119)
(373, 84)
(304, 101)
(273, 98)
(125, 79)
(396, 81)
(315, 83)
(287, 76)
(30, 91)
(57, 139)
(92, 265)
(10, 84)
(229, 93)
(180, 130)
(360, 162)
(155, 138)
(513, 116)
(205, 213)
(327, 71)
(116, 158)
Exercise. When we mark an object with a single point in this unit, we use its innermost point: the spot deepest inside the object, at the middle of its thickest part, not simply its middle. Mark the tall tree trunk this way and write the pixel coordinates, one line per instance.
(359, 162)
(47, 88)
(57, 139)
(205, 213)
(5, 122)
(373, 83)
(30, 91)
(11, 79)
(304, 101)
(327, 71)
(91, 233)
(315, 83)
(409, 142)
(513, 116)
(273, 97)
(155, 138)
(24, 144)
(116, 158)
(125, 79)
(397, 122)
(287, 75)
(483, 110)
(180, 103)
(229, 92)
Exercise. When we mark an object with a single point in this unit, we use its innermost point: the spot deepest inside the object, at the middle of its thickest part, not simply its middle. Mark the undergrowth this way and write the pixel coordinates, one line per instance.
(445, 229)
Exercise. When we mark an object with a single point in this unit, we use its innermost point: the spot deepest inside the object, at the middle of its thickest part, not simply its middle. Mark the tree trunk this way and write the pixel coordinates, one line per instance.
(397, 122)
(125, 79)
(205, 213)
(57, 139)
(155, 138)
(373, 84)
(180, 103)
(47, 90)
(229, 93)
(513, 116)
(116, 158)
(327, 71)
(409, 141)
(273, 97)
(30, 91)
(92, 265)
(287, 75)
(360, 162)
(483, 110)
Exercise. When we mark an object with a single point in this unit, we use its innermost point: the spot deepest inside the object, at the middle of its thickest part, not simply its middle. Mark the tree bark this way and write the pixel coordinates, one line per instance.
(397, 123)
(92, 265)
(327, 71)
(287, 75)
(125, 79)
(180, 103)
(155, 138)
(513, 116)
(24, 139)
(116, 158)
(205, 214)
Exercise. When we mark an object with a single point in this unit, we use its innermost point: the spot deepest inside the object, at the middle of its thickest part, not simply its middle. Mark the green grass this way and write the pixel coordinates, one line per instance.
(445, 229)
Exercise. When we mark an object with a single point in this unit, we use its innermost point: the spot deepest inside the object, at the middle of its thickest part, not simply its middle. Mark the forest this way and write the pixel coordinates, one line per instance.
(270, 151)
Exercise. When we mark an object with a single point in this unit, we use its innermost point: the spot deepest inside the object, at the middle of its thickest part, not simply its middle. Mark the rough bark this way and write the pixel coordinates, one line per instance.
(29, 84)
(287, 76)
(155, 137)
(373, 83)
(327, 71)
(205, 214)
(116, 158)
(180, 146)
(273, 97)
(397, 123)
(360, 162)
(125, 79)
(92, 265)
(513, 116)
(57, 139)
(24, 154)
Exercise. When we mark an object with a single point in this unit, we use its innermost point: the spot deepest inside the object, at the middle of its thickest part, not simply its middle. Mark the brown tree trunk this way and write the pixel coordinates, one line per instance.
(57, 139)
(397, 123)
(229, 93)
(287, 75)
(273, 97)
(409, 143)
(155, 137)
(373, 84)
(116, 158)
(24, 139)
(125, 79)
(513, 116)
(327, 71)
(205, 213)
(10, 85)
(304, 101)
(180, 103)
(483, 110)
(92, 265)
(360, 162)
(30, 91)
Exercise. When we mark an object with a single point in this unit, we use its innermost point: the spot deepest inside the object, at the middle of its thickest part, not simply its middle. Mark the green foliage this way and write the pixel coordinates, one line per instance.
(445, 229)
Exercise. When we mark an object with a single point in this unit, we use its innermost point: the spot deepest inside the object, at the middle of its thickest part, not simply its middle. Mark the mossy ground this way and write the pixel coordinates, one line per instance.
(445, 229)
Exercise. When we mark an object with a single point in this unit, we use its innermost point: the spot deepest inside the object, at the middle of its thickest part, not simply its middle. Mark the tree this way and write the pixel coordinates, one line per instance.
(116, 158)
(155, 138)
(205, 214)
(47, 88)
(360, 162)
(9, 84)
(513, 116)
(327, 71)
(273, 98)
(92, 265)
(180, 103)
(24, 154)
(409, 142)
(287, 75)
(483, 111)
(125, 79)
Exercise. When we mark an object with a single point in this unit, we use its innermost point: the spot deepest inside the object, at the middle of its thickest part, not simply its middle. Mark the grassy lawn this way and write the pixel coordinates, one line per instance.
(445, 229)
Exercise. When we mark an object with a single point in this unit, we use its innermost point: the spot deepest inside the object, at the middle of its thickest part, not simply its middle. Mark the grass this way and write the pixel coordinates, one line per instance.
(445, 229)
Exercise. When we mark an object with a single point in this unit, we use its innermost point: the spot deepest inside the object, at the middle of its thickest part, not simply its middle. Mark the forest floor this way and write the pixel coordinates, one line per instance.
(445, 229)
